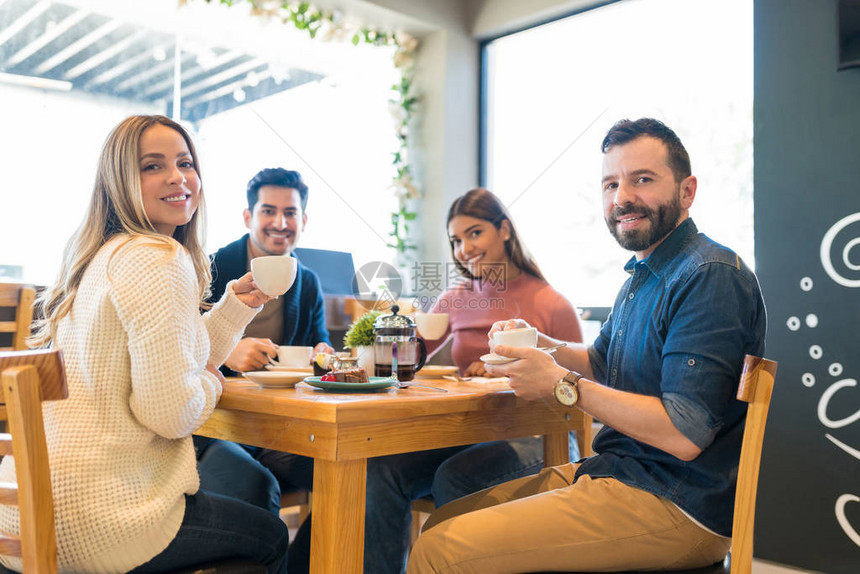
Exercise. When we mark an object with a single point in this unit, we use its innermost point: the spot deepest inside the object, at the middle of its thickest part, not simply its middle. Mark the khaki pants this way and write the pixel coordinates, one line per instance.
(545, 522)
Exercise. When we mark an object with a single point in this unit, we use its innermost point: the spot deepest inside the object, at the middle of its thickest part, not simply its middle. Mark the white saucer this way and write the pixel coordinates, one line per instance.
(494, 359)
(276, 379)
(305, 369)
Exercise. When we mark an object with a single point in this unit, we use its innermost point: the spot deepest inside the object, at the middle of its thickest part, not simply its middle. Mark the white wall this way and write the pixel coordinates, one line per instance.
(448, 81)
(490, 18)
(445, 137)
(49, 148)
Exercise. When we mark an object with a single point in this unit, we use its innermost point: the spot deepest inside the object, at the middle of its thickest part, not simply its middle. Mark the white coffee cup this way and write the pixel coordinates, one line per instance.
(523, 337)
(290, 356)
(431, 325)
(274, 274)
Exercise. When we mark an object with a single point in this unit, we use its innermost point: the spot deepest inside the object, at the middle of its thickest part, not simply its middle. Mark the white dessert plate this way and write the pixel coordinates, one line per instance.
(276, 379)
(435, 371)
(494, 359)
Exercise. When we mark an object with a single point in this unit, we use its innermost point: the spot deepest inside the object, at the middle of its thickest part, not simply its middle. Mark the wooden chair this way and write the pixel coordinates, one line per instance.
(756, 388)
(16, 314)
(355, 308)
(296, 502)
(28, 378)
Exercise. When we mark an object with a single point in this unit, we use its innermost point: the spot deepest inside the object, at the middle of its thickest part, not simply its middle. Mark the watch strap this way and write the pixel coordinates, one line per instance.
(572, 377)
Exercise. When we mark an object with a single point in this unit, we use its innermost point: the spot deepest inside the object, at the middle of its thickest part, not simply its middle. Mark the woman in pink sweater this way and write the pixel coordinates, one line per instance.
(500, 281)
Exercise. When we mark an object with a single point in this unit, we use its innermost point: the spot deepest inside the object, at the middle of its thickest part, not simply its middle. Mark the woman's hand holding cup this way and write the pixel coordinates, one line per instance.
(247, 291)
(274, 274)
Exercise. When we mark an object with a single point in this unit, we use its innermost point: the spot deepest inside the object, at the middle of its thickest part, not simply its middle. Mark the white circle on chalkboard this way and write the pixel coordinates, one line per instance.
(835, 369)
(812, 320)
(815, 352)
(846, 251)
(793, 323)
(827, 244)
(806, 283)
(808, 379)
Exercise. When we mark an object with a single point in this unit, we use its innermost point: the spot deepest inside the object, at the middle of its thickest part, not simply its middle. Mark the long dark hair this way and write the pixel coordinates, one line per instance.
(483, 204)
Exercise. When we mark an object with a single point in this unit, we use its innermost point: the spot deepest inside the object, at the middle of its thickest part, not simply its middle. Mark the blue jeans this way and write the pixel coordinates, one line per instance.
(393, 482)
(258, 476)
(218, 527)
(255, 475)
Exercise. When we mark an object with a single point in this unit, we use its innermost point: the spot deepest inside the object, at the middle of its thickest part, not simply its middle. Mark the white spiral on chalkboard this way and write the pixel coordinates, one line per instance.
(835, 236)
(843, 519)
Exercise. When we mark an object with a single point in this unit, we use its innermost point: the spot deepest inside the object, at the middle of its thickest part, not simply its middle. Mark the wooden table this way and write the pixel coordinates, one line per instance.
(342, 430)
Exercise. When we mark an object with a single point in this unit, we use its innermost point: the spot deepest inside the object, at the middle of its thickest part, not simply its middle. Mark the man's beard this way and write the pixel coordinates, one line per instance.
(662, 222)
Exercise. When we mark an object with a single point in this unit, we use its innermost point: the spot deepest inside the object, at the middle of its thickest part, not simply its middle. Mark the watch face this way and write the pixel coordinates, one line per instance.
(566, 394)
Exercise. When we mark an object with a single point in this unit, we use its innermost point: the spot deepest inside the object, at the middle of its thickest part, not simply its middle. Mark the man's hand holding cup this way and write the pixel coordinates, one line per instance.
(534, 372)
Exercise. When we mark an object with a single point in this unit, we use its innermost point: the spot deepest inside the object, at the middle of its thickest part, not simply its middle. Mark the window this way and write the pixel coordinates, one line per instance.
(553, 91)
(256, 93)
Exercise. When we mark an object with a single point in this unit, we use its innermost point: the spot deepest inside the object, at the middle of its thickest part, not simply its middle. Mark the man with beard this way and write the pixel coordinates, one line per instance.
(662, 376)
(275, 218)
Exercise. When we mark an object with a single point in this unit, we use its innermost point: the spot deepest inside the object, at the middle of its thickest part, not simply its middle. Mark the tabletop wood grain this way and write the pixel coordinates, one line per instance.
(341, 430)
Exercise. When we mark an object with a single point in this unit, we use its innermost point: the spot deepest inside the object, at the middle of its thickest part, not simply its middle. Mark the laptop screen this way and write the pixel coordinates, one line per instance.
(334, 268)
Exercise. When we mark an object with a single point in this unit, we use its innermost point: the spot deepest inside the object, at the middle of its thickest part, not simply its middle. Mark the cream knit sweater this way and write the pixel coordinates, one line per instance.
(135, 348)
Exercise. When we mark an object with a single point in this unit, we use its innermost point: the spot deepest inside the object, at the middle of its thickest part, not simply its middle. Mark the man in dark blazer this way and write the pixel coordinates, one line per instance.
(275, 218)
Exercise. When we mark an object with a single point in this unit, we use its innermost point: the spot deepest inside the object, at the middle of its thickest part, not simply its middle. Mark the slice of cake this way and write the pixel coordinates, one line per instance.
(355, 375)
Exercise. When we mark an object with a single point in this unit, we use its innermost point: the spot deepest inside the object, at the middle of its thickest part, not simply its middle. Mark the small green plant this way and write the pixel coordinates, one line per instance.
(360, 333)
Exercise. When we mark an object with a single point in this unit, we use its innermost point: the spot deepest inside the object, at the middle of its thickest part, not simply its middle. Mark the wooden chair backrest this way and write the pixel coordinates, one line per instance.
(26, 379)
(355, 308)
(18, 300)
(756, 388)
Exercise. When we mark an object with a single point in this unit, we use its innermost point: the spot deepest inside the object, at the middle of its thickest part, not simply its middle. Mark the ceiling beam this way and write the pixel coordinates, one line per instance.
(34, 82)
(24, 21)
(224, 58)
(103, 56)
(76, 47)
(215, 94)
(220, 77)
(49, 36)
(122, 68)
(160, 68)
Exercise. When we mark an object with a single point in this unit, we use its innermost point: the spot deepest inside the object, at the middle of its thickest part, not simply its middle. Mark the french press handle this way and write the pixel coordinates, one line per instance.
(423, 355)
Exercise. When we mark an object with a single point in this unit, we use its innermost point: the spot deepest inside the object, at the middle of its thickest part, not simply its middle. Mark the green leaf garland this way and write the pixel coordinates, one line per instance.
(327, 25)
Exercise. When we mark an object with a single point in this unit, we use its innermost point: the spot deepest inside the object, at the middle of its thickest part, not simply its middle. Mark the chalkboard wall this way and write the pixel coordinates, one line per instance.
(807, 225)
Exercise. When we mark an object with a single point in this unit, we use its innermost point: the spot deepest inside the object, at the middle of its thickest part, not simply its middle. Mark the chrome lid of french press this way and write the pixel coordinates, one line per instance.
(394, 324)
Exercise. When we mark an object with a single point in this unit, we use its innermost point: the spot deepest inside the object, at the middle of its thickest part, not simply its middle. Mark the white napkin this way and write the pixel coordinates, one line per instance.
(489, 380)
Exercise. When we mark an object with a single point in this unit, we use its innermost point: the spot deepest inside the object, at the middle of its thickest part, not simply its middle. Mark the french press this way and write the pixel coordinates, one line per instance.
(396, 348)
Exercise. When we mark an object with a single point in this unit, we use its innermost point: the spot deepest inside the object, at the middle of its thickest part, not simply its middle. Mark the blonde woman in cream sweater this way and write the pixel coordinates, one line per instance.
(142, 368)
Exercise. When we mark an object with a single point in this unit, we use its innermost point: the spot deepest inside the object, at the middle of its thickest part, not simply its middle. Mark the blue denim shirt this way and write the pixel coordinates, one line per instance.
(679, 330)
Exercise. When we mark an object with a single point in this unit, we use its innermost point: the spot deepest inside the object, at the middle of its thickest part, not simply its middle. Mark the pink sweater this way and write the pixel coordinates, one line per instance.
(475, 306)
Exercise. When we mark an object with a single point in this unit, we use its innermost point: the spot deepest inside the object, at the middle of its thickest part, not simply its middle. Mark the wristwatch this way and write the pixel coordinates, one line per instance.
(567, 389)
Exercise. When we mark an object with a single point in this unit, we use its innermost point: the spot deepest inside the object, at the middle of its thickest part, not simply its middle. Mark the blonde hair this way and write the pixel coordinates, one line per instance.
(116, 208)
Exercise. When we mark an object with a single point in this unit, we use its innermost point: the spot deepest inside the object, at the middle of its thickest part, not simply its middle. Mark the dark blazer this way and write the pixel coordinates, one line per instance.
(304, 311)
